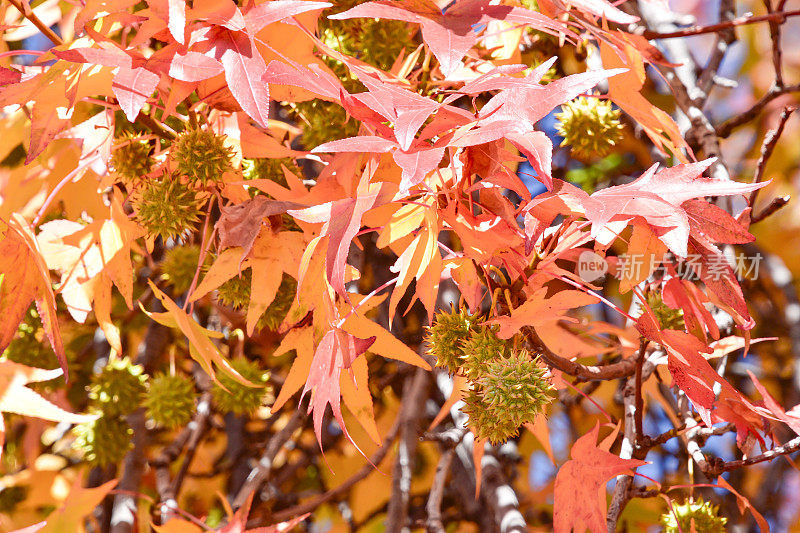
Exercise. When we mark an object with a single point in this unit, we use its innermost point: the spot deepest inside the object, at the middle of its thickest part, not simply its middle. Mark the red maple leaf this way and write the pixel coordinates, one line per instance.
(336, 351)
(518, 106)
(579, 496)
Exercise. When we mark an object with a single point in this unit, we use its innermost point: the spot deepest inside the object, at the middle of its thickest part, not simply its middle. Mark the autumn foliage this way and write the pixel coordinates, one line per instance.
(391, 264)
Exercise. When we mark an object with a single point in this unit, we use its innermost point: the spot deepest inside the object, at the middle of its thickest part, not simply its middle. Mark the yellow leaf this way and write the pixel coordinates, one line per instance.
(79, 504)
(357, 397)
(201, 348)
(386, 344)
(302, 341)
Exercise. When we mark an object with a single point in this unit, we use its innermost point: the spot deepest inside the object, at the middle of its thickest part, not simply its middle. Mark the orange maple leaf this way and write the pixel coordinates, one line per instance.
(25, 279)
(539, 310)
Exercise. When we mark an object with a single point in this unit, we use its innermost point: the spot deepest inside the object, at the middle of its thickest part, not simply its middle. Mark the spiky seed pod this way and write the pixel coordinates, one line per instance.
(702, 515)
(201, 156)
(484, 422)
(515, 388)
(179, 266)
(11, 496)
(29, 346)
(270, 169)
(446, 337)
(170, 400)
(105, 440)
(239, 398)
(276, 312)
(374, 41)
(479, 349)
(668, 317)
(132, 159)
(167, 208)
(323, 122)
(235, 293)
(590, 125)
(119, 388)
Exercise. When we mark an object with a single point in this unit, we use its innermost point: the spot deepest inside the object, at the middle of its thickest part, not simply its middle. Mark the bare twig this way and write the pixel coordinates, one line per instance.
(263, 469)
(434, 506)
(727, 127)
(366, 470)
(24, 8)
(775, 37)
(414, 396)
(621, 369)
(634, 443)
(156, 127)
(776, 18)
(770, 142)
(771, 208)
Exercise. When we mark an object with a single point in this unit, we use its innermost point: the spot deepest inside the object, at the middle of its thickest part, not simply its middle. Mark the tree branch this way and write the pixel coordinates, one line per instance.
(367, 469)
(414, 396)
(263, 469)
(775, 18)
(28, 13)
(770, 142)
(434, 506)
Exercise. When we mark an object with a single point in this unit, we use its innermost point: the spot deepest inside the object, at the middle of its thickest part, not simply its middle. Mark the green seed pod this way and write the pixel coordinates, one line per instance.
(29, 346)
(235, 293)
(119, 388)
(238, 398)
(132, 159)
(479, 349)
(276, 312)
(668, 317)
(446, 337)
(270, 169)
(179, 266)
(167, 208)
(170, 400)
(12, 496)
(201, 156)
(374, 41)
(590, 125)
(104, 441)
(515, 388)
(700, 515)
(324, 121)
(484, 422)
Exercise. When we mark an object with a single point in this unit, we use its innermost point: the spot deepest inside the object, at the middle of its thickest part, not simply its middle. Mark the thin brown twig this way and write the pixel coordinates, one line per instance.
(155, 126)
(434, 505)
(776, 17)
(621, 369)
(770, 142)
(727, 127)
(366, 470)
(262, 470)
(775, 37)
(776, 204)
(28, 13)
